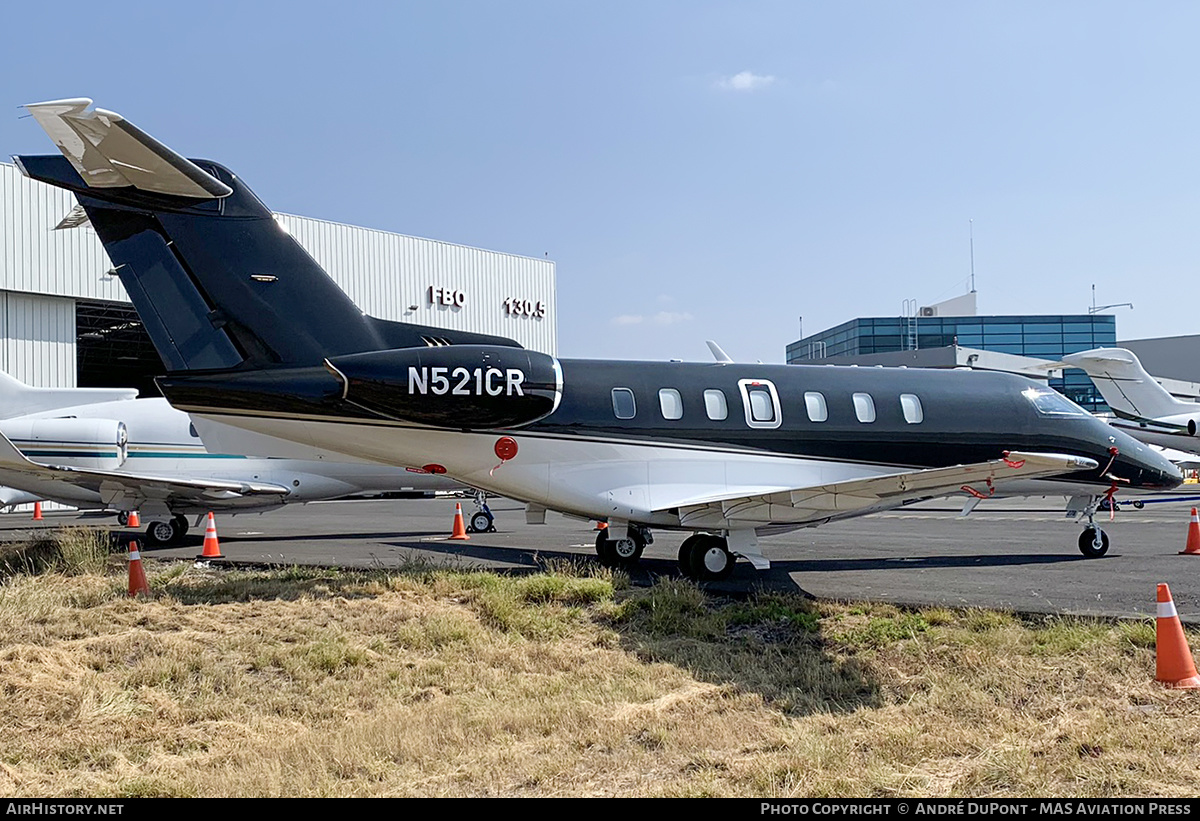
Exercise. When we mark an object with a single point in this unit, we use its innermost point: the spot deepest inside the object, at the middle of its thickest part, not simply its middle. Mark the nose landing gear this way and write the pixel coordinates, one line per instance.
(1093, 541)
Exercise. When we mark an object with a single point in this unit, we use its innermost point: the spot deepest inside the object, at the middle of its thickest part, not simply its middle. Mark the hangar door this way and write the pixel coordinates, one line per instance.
(113, 350)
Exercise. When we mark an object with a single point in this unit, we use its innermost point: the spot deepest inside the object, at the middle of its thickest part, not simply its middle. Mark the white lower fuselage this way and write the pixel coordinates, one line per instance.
(591, 476)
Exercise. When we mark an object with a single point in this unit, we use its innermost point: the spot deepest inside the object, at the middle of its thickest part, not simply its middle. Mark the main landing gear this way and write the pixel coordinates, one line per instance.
(169, 533)
(624, 550)
(705, 557)
(702, 556)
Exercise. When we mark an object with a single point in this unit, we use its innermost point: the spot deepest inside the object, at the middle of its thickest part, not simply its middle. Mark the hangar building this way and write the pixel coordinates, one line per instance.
(66, 321)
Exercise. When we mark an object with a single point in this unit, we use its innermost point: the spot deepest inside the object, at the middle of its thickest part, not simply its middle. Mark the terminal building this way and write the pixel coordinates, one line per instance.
(65, 320)
(952, 334)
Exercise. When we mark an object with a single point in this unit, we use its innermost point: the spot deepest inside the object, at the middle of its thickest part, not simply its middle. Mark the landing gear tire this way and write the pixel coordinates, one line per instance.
(622, 552)
(710, 559)
(1138, 503)
(481, 523)
(160, 533)
(1088, 544)
(685, 553)
(123, 518)
(180, 525)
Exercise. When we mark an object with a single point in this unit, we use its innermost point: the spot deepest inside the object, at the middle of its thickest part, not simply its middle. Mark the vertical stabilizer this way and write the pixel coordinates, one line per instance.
(1126, 386)
(218, 282)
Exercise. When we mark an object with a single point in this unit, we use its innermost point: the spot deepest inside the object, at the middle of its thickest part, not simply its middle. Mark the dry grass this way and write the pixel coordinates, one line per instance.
(439, 683)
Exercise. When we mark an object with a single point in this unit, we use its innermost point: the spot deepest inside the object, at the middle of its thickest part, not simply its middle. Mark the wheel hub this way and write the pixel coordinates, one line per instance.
(625, 547)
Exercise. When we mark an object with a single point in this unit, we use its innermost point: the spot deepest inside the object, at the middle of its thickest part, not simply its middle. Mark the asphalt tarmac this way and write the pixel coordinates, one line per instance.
(1010, 555)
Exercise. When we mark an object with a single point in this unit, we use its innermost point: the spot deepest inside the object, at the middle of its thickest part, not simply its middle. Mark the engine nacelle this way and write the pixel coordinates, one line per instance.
(1183, 421)
(84, 443)
(467, 387)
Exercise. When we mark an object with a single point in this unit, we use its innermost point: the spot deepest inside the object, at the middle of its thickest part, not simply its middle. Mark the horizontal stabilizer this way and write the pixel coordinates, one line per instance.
(109, 152)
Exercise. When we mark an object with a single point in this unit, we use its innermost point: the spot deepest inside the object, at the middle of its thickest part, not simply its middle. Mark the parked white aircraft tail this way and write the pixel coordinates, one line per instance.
(1143, 407)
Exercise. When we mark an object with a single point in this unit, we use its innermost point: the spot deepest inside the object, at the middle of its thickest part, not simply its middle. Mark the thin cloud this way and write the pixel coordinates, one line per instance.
(745, 81)
(660, 318)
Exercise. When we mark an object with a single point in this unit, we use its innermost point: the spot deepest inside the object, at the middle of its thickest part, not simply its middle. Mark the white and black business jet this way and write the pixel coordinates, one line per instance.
(258, 338)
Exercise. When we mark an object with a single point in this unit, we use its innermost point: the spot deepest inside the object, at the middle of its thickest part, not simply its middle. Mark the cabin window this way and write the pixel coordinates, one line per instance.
(715, 405)
(864, 407)
(192, 431)
(671, 403)
(761, 403)
(814, 402)
(911, 405)
(623, 405)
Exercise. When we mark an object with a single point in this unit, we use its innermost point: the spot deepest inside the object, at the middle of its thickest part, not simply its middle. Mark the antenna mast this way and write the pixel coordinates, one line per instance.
(971, 225)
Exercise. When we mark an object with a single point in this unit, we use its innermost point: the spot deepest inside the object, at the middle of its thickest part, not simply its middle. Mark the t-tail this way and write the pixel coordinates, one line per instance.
(1128, 389)
(218, 283)
(241, 314)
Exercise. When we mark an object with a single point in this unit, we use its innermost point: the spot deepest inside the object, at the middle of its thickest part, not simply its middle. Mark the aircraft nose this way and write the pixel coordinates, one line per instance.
(1144, 467)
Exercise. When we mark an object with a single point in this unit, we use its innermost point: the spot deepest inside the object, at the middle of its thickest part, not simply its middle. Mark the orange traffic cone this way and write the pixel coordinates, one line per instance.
(1173, 665)
(1193, 538)
(212, 548)
(137, 575)
(601, 526)
(134, 519)
(37, 511)
(460, 529)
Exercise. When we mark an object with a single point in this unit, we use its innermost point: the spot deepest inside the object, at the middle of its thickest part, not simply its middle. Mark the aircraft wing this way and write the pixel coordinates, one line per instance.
(839, 499)
(117, 489)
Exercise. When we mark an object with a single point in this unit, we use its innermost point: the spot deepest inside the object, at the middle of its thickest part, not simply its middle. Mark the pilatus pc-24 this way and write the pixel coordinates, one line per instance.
(259, 339)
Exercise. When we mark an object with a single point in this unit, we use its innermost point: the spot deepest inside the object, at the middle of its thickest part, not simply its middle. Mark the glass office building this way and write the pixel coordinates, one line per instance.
(1043, 337)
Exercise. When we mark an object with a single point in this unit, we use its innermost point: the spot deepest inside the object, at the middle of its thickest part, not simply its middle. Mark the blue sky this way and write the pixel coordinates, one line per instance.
(696, 170)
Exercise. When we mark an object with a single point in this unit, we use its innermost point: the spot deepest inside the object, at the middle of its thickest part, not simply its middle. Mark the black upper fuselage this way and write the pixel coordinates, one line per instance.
(945, 417)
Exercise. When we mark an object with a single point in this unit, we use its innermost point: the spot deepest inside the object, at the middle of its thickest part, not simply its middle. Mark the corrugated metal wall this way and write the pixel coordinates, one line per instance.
(37, 339)
(37, 259)
(384, 273)
(390, 276)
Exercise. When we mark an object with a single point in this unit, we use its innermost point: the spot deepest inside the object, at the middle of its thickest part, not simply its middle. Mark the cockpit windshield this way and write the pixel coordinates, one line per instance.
(1050, 402)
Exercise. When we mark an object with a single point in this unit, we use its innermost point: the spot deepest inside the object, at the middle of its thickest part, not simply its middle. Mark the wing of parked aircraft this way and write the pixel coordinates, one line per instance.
(838, 499)
(117, 489)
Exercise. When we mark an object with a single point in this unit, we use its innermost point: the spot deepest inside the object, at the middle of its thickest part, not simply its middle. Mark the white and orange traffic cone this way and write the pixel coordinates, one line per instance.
(212, 548)
(1192, 548)
(134, 519)
(460, 529)
(137, 575)
(37, 511)
(1174, 667)
(601, 526)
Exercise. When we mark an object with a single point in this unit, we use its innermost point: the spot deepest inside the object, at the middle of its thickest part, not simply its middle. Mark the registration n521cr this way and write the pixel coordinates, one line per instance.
(464, 382)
